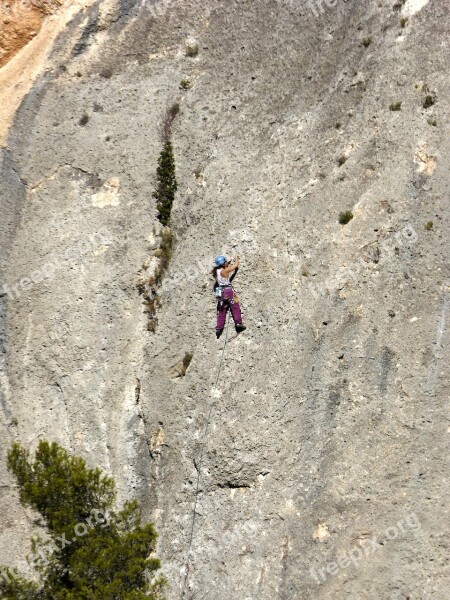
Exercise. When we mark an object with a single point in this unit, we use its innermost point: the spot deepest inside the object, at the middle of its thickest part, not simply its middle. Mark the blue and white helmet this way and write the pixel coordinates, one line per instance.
(219, 261)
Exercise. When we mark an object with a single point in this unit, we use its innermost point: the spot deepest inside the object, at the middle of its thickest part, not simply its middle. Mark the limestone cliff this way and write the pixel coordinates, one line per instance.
(325, 463)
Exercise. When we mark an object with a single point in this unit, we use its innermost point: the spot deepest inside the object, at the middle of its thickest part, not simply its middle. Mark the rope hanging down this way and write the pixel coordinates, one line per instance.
(205, 433)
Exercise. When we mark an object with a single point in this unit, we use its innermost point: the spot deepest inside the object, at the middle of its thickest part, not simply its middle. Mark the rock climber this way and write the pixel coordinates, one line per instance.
(224, 272)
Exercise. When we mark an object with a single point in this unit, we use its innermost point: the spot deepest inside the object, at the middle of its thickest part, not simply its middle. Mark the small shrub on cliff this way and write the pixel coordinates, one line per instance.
(166, 183)
(93, 552)
(106, 73)
(187, 361)
(148, 287)
(83, 120)
(345, 217)
(430, 100)
(167, 123)
(191, 47)
(165, 195)
(398, 5)
(165, 254)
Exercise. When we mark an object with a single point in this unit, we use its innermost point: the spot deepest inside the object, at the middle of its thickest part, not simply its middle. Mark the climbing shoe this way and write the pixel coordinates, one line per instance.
(240, 328)
(219, 333)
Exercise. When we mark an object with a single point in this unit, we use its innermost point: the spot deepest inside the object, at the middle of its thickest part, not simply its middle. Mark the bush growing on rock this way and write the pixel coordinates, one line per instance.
(187, 361)
(191, 47)
(170, 115)
(345, 217)
(92, 552)
(395, 106)
(430, 100)
(166, 183)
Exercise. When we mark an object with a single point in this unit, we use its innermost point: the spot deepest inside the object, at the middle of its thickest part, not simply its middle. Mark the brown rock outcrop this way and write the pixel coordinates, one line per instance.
(20, 20)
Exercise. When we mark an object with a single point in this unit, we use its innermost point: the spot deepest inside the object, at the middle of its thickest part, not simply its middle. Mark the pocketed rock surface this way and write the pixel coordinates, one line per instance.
(324, 469)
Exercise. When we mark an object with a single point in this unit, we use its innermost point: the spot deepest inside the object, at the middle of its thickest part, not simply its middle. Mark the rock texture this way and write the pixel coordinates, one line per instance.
(324, 452)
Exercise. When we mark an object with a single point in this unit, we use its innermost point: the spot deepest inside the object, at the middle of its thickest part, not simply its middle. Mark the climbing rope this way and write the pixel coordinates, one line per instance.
(203, 438)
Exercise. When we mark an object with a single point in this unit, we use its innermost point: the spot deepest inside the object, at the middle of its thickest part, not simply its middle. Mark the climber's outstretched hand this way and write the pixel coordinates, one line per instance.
(231, 267)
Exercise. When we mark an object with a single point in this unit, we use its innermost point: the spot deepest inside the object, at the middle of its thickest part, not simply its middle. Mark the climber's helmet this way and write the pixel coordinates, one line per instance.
(219, 261)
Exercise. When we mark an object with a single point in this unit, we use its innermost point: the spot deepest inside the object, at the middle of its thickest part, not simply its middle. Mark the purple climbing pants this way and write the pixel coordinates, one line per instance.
(228, 302)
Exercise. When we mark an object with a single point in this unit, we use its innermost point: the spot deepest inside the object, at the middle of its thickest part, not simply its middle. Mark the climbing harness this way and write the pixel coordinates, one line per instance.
(218, 292)
(203, 438)
(218, 289)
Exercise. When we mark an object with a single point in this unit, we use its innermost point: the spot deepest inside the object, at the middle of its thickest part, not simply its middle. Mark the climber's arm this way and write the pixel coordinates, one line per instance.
(232, 267)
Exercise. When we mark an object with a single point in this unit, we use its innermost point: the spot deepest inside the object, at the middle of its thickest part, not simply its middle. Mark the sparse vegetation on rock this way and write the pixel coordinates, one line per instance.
(83, 120)
(187, 359)
(398, 5)
(165, 195)
(430, 100)
(191, 47)
(345, 217)
(166, 183)
(106, 73)
(165, 174)
(148, 286)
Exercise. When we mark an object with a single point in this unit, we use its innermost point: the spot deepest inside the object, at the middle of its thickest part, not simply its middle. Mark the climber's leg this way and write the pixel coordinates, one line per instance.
(222, 308)
(236, 312)
(235, 309)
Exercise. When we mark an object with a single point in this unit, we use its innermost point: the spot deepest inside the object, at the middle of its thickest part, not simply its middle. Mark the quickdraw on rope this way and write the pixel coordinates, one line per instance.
(199, 466)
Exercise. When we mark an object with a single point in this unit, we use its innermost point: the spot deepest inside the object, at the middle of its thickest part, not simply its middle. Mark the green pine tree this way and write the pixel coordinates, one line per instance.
(93, 552)
(166, 183)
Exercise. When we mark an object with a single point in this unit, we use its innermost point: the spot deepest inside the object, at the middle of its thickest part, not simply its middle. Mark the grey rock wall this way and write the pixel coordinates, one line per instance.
(325, 459)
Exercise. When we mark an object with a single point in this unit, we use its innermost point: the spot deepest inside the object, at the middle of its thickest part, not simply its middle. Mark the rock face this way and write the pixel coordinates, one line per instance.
(321, 456)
